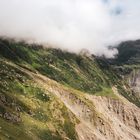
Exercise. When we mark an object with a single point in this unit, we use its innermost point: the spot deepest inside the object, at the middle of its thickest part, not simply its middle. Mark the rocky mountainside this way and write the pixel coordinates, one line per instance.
(127, 65)
(50, 94)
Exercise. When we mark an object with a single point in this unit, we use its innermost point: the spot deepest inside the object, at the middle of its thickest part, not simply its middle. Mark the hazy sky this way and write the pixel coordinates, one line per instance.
(72, 24)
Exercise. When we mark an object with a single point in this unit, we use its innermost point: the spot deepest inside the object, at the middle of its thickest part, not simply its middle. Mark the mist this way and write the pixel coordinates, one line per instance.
(71, 25)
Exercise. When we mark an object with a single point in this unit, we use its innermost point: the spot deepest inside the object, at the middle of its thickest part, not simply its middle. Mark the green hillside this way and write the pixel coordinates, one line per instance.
(77, 71)
(29, 111)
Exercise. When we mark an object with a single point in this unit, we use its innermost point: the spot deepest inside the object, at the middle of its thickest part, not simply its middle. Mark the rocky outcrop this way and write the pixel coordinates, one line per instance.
(85, 111)
(134, 82)
(102, 118)
(124, 117)
(14, 118)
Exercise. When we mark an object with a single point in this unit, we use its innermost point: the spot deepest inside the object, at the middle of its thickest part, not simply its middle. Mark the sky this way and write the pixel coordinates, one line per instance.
(71, 25)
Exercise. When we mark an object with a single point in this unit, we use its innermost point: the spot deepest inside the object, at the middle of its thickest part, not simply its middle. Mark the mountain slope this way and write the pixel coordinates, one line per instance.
(49, 94)
(30, 108)
(78, 71)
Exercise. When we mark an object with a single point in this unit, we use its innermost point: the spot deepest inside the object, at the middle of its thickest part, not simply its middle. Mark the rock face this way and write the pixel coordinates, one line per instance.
(124, 118)
(12, 118)
(101, 118)
(134, 82)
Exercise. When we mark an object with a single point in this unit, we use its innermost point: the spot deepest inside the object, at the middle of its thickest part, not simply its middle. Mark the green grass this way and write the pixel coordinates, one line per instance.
(76, 71)
(37, 109)
(107, 92)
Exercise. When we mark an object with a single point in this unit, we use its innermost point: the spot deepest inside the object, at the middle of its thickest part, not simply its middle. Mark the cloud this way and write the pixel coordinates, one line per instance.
(71, 24)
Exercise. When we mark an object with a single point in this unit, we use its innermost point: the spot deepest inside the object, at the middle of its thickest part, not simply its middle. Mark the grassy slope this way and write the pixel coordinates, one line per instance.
(34, 112)
(77, 71)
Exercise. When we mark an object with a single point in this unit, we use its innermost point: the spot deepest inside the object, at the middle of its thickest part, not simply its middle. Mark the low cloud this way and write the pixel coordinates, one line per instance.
(71, 24)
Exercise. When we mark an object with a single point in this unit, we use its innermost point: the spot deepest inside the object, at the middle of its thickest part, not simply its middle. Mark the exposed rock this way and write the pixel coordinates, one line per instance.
(101, 118)
(123, 117)
(12, 118)
(134, 82)
(30, 113)
(2, 98)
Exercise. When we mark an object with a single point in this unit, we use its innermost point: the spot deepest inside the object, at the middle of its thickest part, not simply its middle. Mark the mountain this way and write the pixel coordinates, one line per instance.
(128, 53)
(50, 94)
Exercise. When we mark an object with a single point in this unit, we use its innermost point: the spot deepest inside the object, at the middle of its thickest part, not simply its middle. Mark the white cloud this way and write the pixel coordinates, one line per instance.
(71, 24)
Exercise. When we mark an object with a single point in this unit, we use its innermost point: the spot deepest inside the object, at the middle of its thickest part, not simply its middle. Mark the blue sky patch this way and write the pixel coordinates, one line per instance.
(117, 11)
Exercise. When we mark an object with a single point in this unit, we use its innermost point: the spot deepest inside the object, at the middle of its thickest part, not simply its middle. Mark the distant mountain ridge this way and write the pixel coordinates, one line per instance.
(128, 53)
